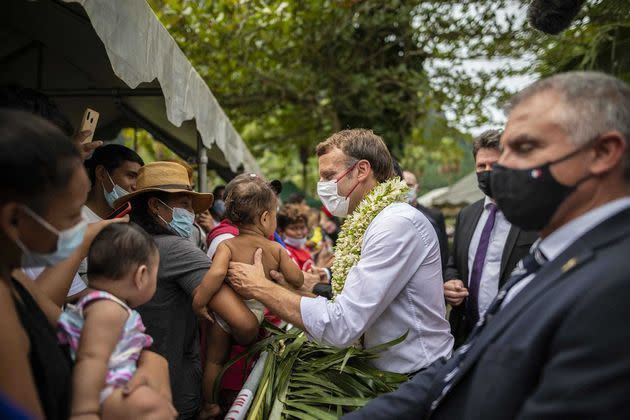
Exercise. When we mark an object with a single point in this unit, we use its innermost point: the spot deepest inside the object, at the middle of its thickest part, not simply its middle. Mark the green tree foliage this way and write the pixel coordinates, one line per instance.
(290, 73)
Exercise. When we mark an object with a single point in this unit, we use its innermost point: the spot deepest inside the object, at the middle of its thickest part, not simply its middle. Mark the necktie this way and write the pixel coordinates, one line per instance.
(527, 266)
(472, 306)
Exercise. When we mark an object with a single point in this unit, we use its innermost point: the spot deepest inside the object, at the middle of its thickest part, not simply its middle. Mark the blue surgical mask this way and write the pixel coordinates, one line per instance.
(182, 222)
(412, 195)
(67, 242)
(218, 207)
(115, 194)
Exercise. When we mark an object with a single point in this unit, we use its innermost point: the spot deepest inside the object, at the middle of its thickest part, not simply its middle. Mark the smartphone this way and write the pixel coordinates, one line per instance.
(120, 211)
(90, 118)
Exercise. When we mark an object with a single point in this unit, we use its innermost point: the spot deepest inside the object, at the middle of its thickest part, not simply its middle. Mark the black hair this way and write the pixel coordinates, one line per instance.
(118, 248)
(141, 215)
(398, 171)
(112, 157)
(36, 159)
(218, 192)
(295, 198)
(34, 102)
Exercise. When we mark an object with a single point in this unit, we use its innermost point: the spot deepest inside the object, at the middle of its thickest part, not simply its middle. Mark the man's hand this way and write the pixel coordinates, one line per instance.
(152, 371)
(455, 292)
(205, 221)
(245, 278)
(321, 274)
(86, 149)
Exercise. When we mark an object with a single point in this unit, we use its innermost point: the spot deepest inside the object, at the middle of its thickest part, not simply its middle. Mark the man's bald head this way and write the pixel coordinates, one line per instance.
(410, 179)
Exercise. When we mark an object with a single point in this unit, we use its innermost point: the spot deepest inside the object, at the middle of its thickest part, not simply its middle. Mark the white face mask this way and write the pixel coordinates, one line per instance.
(67, 242)
(412, 195)
(294, 242)
(328, 192)
(114, 194)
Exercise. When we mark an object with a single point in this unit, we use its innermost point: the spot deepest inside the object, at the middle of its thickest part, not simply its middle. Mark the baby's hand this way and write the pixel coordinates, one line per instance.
(200, 306)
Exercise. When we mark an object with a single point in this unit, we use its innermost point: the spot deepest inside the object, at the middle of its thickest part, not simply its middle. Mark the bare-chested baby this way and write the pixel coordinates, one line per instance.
(251, 205)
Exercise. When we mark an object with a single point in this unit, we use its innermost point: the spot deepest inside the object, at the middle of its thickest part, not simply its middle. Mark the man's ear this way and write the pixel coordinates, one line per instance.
(609, 151)
(100, 174)
(364, 169)
(153, 205)
(140, 276)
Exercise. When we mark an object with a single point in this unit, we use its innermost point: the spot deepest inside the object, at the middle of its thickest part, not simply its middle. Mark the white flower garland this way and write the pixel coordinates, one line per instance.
(348, 247)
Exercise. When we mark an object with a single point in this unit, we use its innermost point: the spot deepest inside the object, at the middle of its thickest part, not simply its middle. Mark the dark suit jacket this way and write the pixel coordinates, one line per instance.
(437, 221)
(558, 350)
(517, 246)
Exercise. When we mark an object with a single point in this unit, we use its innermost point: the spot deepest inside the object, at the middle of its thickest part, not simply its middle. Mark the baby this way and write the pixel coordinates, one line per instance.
(105, 336)
(251, 205)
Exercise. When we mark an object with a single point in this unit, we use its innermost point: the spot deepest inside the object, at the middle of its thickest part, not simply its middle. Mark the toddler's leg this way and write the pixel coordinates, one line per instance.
(143, 403)
(217, 351)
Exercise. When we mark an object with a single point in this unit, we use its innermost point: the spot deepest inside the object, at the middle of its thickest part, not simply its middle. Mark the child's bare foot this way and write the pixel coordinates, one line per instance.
(210, 411)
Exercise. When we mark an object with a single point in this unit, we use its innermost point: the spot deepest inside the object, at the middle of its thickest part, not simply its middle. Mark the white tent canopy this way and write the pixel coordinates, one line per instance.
(463, 192)
(116, 57)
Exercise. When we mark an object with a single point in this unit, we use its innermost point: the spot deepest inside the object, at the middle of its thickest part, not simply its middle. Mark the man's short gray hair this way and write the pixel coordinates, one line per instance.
(595, 104)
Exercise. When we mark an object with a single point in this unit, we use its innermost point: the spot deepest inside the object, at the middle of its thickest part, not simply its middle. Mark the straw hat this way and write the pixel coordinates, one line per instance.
(169, 177)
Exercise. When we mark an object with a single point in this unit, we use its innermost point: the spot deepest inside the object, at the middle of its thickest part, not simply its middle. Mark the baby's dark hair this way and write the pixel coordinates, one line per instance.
(291, 214)
(246, 197)
(118, 248)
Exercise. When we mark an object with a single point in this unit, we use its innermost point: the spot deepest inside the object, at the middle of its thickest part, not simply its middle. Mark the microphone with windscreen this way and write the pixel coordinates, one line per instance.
(553, 16)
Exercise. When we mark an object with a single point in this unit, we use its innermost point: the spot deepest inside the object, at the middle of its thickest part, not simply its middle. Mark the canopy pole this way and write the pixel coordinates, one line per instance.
(202, 165)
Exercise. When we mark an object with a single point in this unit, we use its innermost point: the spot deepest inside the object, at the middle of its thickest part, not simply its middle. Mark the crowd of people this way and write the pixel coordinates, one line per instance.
(535, 277)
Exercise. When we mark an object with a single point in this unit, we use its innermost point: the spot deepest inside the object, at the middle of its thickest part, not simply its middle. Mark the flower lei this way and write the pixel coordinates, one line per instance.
(348, 247)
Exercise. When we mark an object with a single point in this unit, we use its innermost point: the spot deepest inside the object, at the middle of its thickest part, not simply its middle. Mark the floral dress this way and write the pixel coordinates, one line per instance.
(123, 361)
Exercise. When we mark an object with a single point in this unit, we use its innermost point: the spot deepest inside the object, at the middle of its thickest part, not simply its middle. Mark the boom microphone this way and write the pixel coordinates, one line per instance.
(553, 16)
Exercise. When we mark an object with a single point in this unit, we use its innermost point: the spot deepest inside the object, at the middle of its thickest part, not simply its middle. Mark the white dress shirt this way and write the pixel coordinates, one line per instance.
(396, 287)
(491, 271)
(91, 217)
(560, 239)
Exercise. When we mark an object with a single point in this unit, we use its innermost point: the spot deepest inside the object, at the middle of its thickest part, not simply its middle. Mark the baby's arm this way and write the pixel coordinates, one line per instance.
(289, 269)
(212, 281)
(103, 327)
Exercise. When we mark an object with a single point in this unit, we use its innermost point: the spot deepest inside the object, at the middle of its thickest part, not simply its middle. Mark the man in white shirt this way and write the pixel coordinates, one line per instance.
(113, 172)
(486, 247)
(554, 343)
(395, 288)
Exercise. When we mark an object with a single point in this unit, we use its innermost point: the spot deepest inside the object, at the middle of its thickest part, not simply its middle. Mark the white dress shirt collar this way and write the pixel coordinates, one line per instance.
(560, 239)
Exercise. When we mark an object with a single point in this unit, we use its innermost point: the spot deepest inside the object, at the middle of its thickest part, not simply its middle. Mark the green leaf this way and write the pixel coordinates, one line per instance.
(312, 412)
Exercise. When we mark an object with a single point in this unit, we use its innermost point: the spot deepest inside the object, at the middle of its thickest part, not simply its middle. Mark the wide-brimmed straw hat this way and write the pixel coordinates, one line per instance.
(169, 177)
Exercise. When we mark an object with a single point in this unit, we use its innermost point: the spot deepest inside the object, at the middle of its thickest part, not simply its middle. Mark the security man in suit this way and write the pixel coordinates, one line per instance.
(554, 343)
(435, 216)
(485, 249)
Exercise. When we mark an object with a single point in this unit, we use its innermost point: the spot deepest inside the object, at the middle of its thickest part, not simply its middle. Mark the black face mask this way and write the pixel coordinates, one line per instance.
(529, 198)
(483, 180)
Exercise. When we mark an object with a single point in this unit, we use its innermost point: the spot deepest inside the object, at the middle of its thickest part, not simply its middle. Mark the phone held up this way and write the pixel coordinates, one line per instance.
(120, 211)
(89, 121)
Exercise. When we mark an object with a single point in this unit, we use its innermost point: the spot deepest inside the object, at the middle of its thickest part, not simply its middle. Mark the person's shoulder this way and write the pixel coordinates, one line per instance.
(472, 207)
(272, 246)
(399, 217)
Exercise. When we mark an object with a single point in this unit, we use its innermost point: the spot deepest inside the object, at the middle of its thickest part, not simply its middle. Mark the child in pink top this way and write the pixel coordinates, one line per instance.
(104, 334)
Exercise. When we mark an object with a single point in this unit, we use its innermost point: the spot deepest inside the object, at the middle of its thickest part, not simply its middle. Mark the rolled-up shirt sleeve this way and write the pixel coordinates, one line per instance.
(391, 254)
